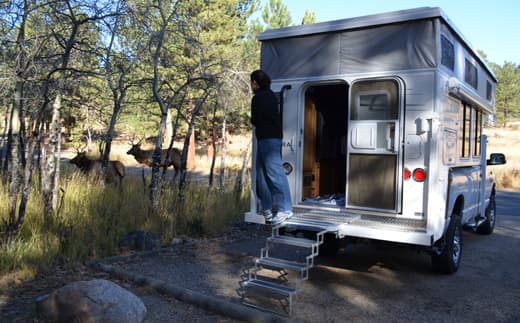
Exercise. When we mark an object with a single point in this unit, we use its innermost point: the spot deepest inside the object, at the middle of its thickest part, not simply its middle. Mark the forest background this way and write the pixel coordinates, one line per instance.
(99, 75)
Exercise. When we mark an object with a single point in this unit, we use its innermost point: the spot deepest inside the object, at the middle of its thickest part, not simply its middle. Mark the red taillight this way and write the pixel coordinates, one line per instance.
(419, 175)
(406, 174)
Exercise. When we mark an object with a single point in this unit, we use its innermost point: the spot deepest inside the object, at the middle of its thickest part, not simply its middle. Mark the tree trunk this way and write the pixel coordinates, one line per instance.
(168, 133)
(110, 132)
(194, 114)
(3, 144)
(27, 178)
(13, 163)
(211, 153)
(223, 154)
(56, 140)
(506, 114)
(170, 146)
(156, 164)
(191, 162)
(13, 149)
(240, 179)
(51, 172)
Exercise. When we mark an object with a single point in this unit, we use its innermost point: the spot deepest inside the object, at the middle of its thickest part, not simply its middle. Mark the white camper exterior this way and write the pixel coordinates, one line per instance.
(382, 129)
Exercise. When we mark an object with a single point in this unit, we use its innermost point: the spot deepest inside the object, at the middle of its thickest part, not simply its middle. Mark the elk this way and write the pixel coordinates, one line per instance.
(114, 173)
(145, 157)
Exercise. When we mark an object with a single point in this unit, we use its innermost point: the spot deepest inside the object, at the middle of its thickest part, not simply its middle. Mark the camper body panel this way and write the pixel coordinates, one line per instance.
(390, 148)
(414, 144)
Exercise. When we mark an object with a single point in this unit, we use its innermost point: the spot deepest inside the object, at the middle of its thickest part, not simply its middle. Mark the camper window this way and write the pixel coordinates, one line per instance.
(489, 91)
(478, 131)
(372, 105)
(374, 100)
(448, 53)
(470, 131)
(470, 74)
(465, 131)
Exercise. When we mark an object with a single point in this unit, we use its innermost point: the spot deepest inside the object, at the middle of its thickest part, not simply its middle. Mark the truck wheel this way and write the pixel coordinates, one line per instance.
(448, 260)
(491, 214)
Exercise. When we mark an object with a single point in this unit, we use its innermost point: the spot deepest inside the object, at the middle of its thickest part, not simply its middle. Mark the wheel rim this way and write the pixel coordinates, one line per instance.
(492, 213)
(456, 246)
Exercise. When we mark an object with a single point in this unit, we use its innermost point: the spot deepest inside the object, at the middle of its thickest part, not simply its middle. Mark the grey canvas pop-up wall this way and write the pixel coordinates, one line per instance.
(396, 41)
(402, 46)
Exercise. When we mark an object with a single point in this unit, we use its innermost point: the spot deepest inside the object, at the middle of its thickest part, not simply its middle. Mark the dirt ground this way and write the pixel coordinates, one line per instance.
(363, 283)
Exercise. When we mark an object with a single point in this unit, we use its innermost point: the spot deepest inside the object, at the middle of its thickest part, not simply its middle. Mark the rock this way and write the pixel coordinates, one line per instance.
(181, 240)
(92, 301)
(177, 241)
(139, 240)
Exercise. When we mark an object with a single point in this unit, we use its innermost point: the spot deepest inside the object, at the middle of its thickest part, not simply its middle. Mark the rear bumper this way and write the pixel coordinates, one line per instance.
(375, 227)
(393, 235)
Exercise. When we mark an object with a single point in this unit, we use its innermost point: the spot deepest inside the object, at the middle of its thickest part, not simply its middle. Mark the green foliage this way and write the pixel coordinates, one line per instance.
(276, 14)
(92, 219)
(309, 17)
(508, 92)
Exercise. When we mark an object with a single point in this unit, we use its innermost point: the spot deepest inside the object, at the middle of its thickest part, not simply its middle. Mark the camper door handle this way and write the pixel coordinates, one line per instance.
(391, 138)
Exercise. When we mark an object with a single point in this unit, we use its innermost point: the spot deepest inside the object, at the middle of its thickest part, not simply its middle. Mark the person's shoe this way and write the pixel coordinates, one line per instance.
(281, 216)
(268, 215)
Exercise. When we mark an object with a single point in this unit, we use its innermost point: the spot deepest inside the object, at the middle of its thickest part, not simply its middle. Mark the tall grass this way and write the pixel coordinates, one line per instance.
(93, 218)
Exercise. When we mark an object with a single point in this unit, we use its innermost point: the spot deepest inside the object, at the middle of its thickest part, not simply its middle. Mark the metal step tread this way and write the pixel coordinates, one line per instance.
(350, 218)
(292, 241)
(271, 287)
(282, 263)
(322, 225)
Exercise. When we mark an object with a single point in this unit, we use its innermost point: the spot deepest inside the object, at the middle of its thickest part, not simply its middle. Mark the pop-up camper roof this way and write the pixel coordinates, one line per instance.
(400, 40)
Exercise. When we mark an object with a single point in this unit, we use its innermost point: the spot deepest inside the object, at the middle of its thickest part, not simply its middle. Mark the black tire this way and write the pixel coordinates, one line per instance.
(488, 225)
(447, 261)
(330, 246)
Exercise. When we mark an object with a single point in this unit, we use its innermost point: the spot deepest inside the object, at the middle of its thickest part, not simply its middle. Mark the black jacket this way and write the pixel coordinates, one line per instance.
(265, 115)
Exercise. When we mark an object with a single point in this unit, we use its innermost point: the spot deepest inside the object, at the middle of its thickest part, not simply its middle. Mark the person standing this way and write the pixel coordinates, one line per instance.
(272, 184)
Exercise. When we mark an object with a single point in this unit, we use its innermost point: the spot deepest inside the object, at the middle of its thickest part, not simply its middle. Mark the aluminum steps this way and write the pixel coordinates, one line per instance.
(292, 241)
(282, 263)
(275, 258)
(276, 289)
(313, 225)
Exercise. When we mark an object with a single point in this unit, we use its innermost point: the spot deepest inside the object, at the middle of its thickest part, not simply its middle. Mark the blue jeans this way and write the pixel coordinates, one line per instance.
(272, 183)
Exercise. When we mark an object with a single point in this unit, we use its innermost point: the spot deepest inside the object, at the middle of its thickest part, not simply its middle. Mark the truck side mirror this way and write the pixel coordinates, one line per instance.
(496, 159)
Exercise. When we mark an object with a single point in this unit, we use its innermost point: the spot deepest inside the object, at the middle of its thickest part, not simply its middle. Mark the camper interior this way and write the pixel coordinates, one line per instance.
(325, 134)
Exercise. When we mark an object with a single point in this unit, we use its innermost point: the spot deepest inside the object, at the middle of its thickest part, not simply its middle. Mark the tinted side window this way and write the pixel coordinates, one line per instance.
(470, 74)
(448, 53)
(478, 131)
(465, 131)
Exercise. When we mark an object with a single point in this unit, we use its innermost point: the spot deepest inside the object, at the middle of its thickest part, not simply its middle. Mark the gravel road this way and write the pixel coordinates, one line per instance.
(364, 282)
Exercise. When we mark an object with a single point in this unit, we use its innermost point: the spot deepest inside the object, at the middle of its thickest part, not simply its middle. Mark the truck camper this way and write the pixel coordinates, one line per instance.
(383, 138)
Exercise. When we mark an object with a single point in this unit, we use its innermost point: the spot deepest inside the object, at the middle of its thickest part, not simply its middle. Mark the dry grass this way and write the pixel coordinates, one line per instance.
(235, 152)
(506, 141)
(93, 218)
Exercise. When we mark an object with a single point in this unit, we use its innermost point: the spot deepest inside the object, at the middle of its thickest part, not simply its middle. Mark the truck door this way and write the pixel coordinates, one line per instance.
(374, 150)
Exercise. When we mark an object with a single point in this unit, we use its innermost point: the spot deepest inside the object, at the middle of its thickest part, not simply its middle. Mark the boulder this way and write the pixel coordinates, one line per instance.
(92, 301)
(139, 240)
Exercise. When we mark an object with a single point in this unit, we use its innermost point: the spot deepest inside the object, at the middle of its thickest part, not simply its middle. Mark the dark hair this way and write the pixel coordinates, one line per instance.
(261, 77)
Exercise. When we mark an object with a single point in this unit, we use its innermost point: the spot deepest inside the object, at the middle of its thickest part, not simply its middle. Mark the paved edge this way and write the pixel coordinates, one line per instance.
(205, 302)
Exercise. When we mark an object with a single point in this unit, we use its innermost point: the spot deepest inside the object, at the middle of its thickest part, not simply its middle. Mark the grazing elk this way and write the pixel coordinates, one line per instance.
(114, 173)
(145, 157)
